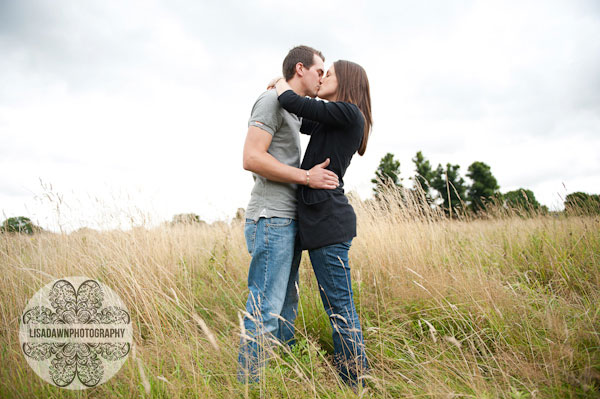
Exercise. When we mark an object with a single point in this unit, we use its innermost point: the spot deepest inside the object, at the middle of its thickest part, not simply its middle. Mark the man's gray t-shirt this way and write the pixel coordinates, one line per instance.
(269, 198)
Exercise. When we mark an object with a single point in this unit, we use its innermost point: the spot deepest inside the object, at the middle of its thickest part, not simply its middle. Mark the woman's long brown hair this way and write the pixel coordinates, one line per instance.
(353, 87)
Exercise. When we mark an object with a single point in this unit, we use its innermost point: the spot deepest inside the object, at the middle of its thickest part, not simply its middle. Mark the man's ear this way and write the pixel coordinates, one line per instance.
(300, 69)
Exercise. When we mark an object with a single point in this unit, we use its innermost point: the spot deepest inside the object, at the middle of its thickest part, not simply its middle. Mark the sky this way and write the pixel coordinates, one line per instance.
(115, 113)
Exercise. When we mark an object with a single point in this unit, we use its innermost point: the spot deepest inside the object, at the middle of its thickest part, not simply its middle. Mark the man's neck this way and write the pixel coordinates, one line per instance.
(296, 85)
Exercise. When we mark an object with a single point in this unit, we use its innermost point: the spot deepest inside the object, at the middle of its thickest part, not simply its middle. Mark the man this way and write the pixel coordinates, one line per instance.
(272, 153)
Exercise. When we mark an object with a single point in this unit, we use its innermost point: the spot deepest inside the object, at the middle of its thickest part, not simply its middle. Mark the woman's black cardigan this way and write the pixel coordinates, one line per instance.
(336, 131)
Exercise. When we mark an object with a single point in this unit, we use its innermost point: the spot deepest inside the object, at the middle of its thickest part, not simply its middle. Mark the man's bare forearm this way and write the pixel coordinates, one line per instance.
(269, 167)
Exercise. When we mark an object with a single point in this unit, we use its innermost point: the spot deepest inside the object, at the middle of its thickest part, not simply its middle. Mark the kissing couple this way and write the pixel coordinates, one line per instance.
(297, 206)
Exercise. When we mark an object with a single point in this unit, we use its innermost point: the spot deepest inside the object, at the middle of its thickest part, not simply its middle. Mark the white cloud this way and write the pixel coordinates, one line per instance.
(153, 97)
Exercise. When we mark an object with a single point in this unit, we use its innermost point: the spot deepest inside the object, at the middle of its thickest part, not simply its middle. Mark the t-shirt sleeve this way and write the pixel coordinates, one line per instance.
(265, 114)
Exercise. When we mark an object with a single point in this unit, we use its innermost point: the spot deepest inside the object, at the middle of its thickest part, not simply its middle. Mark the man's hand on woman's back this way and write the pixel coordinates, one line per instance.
(322, 178)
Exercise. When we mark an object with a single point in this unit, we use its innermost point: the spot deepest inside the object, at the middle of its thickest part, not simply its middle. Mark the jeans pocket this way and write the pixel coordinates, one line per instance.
(279, 222)
(250, 234)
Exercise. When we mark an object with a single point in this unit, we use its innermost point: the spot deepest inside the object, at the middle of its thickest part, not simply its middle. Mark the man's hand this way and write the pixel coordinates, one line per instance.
(321, 178)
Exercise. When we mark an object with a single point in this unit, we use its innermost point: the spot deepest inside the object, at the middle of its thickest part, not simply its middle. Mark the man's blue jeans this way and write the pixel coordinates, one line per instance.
(332, 270)
(273, 299)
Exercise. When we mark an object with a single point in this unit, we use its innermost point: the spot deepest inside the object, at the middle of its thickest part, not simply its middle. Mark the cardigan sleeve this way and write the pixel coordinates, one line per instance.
(308, 126)
(335, 113)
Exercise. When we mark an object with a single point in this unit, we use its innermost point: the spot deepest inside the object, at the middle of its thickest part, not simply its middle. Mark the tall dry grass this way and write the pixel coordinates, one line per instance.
(496, 306)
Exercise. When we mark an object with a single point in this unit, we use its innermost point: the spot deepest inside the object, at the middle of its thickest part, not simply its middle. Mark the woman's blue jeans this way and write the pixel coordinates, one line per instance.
(273, 299)
(332, 270)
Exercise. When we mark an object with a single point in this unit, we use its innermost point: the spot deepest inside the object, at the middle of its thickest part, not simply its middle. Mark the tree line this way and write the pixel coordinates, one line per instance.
(445, 187)
(442, 186)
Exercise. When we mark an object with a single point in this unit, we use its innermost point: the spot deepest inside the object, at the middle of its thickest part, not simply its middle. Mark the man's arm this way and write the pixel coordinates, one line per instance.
(259, 161)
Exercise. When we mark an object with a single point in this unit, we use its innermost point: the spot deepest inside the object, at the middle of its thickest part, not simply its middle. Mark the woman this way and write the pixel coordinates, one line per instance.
(326, 221)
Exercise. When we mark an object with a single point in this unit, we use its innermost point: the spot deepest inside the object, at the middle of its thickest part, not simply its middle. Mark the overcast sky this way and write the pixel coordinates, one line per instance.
(128, 108)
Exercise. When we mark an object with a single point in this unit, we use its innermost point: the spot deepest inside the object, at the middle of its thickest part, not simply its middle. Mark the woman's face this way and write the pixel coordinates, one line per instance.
(329, 86)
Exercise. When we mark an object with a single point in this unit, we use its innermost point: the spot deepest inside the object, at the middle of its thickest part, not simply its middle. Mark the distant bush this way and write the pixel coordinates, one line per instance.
(579, 203)
(187, 218)
(19, 224)
(523, 202)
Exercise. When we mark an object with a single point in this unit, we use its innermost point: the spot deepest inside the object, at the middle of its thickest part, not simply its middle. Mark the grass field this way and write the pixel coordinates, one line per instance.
(496, 307)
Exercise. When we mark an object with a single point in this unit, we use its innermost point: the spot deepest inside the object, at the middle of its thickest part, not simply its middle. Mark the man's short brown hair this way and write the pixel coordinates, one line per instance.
(303, 54)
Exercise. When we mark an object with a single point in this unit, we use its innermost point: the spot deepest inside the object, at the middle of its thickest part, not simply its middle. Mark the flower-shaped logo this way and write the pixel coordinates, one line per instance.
(76, 333)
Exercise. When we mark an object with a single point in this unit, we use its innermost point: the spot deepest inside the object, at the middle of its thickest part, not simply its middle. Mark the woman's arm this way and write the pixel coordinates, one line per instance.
(308, 126)
(336, 113)
(280, 85)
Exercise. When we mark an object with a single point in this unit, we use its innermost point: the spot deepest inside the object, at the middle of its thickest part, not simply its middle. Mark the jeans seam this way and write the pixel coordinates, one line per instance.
(331, 279)
(253, 236)
(266, 268)
(349, 314)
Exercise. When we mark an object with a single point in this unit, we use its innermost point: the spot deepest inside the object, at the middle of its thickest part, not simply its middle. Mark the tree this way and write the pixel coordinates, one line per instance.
(387, 173)
(19, 224)
(582, 203)
(240, 215)
(424, 174)
(187, 218)
(521, 199)
(484, 187)
(450, 186)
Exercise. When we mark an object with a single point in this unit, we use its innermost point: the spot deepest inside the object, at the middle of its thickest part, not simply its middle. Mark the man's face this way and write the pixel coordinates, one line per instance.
(312, 76)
